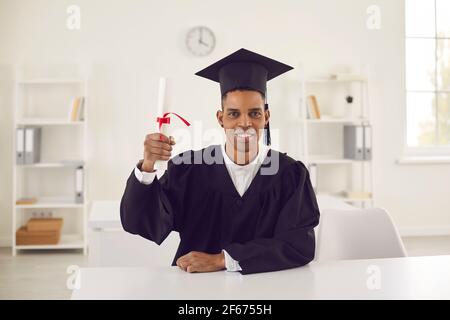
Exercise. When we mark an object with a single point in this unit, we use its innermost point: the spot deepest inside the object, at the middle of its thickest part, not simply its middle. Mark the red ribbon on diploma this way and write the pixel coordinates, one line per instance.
(166, 120)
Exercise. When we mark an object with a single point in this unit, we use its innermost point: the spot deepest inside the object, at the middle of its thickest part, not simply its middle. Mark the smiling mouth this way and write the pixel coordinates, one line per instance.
(244, 135)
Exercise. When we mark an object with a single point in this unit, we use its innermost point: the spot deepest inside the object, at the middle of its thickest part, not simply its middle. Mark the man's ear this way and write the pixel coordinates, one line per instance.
(219, 116)
(267, 116)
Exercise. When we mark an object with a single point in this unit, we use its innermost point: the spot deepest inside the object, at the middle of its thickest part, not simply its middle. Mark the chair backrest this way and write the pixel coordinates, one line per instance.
(357, 234)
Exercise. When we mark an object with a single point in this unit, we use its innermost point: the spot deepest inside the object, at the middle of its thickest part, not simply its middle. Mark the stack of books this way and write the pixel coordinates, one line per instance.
(77, 109)
(39, 231)
(312, 107)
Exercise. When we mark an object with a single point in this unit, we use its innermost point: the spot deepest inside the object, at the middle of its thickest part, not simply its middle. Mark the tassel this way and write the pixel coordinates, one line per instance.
(266, 129)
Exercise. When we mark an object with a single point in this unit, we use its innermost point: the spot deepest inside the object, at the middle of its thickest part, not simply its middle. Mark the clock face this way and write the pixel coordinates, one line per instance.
(200, 41)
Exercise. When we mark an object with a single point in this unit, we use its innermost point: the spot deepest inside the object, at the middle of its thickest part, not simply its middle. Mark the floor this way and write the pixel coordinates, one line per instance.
(37, 274)
(43, 274)
(427, 246)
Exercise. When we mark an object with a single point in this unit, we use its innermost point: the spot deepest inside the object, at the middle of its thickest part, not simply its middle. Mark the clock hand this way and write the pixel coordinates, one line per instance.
(200, 40)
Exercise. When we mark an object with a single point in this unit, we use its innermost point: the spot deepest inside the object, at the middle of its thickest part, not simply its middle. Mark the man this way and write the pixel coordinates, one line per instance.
(232, 213)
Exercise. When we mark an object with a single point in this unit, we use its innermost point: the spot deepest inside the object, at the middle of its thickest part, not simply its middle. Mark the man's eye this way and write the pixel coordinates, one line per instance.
(255, 114)
(233, 114)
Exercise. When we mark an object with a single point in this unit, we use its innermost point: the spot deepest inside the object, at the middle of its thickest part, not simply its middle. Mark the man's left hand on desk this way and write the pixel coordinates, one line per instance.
(196, 261)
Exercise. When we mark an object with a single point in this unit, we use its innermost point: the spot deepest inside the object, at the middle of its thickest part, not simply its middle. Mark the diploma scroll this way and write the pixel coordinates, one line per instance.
(163, 119)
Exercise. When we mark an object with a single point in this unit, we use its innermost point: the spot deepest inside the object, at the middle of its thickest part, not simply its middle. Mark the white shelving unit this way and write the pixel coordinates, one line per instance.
(322, 139)
(46, 103)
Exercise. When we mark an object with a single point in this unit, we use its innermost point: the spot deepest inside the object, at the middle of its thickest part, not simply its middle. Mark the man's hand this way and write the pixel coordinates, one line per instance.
(196, 261)
(156, 147)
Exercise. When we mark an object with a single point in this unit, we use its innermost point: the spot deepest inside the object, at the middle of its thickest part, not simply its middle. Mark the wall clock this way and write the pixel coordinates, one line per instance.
(200, 41)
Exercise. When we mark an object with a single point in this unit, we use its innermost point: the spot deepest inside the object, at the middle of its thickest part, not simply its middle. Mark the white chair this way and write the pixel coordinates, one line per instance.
(357, 234)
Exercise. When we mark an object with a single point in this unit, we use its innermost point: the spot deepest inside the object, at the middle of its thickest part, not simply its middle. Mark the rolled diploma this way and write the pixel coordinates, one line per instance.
(161, 165)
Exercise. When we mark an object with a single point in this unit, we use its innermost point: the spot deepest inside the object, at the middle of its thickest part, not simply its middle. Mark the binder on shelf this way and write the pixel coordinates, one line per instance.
(32, 145)
(81, 109)
(20, 147)
(354, 142)
(79, 184)
(367, 142)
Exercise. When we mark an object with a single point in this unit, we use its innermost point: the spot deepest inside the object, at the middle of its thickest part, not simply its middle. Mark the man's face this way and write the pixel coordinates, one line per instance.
(243, 118)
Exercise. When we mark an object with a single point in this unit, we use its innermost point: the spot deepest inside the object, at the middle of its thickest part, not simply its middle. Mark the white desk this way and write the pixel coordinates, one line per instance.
(400, 278)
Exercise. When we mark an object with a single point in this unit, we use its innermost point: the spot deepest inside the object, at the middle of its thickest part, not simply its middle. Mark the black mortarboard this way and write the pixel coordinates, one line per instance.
(245, 69)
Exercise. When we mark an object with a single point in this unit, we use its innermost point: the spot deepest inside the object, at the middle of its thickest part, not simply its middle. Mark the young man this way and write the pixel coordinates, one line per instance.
(235, 213)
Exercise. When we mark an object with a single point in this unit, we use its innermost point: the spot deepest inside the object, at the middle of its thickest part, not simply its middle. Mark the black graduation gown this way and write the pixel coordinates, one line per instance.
(269, 228)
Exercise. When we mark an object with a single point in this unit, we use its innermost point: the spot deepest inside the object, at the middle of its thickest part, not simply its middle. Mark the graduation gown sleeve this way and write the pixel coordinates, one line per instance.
(293, 240)
(152, 211)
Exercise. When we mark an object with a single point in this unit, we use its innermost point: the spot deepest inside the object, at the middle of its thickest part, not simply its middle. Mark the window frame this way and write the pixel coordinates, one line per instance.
(435, 149)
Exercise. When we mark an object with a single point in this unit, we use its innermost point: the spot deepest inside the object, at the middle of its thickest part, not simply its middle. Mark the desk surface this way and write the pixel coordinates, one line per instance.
(394, 278)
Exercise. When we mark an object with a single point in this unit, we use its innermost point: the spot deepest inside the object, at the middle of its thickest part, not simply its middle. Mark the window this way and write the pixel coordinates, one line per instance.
(427, 73)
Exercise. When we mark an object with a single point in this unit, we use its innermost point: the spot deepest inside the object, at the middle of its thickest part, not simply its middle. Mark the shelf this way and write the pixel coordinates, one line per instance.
(52, 165)
(51, 81)
(337, 197)
(343, 120)
(353, 198)
(43, 101)
(330, 120)
(51, 203)
(327, 80)
(357, 199)
(69, 241)
(326, 160)
(424, 160)
(48, 122)
(324, 139)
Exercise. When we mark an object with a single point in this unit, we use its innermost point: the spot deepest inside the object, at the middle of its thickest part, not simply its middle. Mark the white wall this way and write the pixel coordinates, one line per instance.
(6, 137)
(129, 44)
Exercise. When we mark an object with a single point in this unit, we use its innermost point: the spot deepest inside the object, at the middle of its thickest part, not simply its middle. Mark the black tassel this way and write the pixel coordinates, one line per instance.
(266, 129)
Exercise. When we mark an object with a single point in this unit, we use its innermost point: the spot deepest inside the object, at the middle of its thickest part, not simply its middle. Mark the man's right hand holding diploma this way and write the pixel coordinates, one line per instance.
(157, 147)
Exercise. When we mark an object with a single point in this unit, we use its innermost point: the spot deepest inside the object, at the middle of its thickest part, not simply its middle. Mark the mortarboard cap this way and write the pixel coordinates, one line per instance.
(244, 69)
